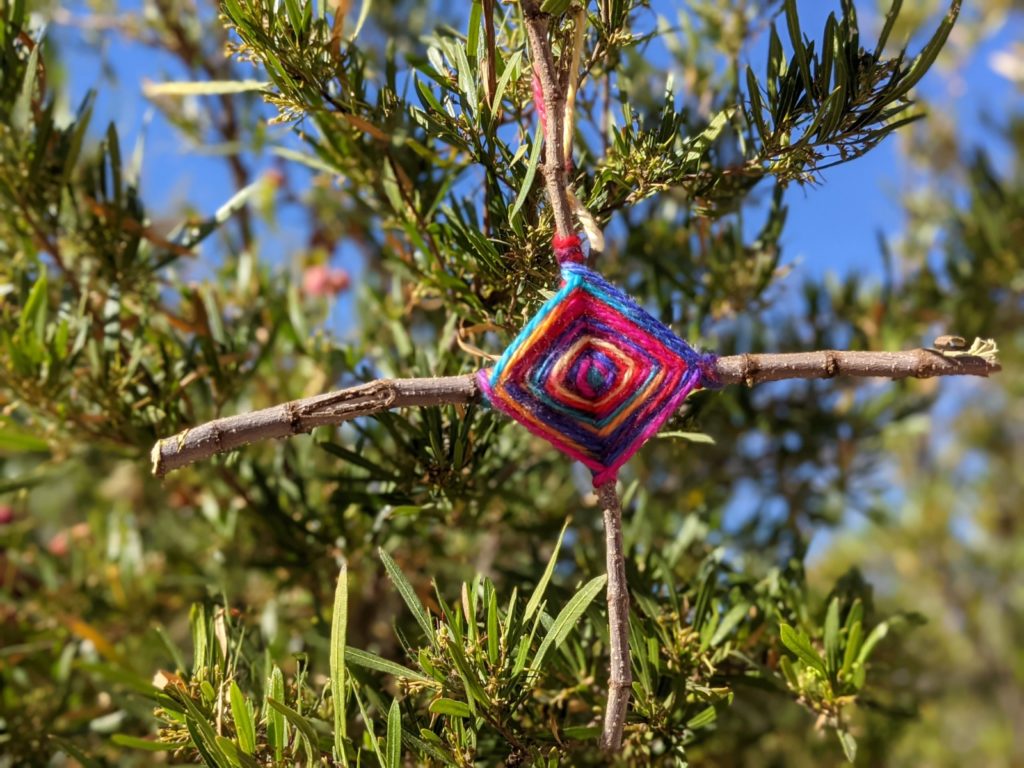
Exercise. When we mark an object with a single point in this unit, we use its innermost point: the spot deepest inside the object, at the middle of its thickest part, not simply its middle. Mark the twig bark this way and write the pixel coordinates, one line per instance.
(620, 678)
(299, 416)
(826, 364)
(537, 27)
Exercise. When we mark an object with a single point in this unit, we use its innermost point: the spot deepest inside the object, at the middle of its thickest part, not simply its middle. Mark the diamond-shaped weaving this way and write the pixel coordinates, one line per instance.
(593, 373)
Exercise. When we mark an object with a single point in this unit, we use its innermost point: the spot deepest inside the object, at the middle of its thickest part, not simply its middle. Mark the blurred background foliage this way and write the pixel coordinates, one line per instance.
(377, 212)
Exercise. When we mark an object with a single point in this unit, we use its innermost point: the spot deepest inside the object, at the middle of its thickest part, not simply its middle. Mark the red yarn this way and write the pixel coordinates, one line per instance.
(567, 248)
(538, 101)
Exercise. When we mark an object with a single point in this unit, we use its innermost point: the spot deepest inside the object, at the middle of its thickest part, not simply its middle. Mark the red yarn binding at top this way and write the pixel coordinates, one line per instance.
(567, 249)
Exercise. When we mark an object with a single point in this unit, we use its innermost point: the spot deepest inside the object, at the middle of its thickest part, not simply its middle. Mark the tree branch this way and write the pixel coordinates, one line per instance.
(827, 364)
(537, 24)
(299, 416)
(620, 678)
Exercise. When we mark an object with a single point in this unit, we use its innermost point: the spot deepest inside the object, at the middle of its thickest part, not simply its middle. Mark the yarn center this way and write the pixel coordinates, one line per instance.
(593, 373)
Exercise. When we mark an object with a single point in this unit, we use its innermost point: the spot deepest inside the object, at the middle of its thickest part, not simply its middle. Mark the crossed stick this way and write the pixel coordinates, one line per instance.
(331, 408)
(300, 416)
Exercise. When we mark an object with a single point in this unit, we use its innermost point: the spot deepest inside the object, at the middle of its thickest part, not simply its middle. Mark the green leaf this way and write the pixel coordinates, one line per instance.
(339, 624)
(408, 594)
(702, 604)
(582, 732)
(473, 32)
(72, 750)
(203, 736)
(796, 38)
(241, 713)
(450, 707)
(832, 638)
(555, 7)
(691, 437)
(200, 640)
(699, 144)
(307, 733)
(369, 660)
(853, 643)
(542, 585)
(567, 618)
(277, 729)
(729, 621)
(511, 66)
(394, 739)
(147, 745)
(21, 112)
(32, 323)
(789, 673)
(756, 106)
(370, 736)
(874, 638)
(890, 21)
(924, 60)
(14, 440)
(531, 171)
(800, 645)
(235, 756)
(849, 745)
(705, 717)
(469, 679)
(493, 639)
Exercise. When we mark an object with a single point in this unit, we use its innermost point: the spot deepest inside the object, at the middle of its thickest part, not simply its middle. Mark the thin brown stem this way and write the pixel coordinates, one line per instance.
(537, 29)
(299, 416)
(620, 677)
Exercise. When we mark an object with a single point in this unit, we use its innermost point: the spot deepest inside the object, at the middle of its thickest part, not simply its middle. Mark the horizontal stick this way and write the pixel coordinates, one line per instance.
(826, 364)
(299, 416)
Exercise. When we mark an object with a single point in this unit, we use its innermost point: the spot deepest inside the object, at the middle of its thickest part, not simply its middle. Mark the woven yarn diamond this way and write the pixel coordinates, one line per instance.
(592, 373)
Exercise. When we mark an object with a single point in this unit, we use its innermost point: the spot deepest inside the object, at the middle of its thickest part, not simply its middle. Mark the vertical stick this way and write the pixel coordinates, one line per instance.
(620, 678)
(537, 27)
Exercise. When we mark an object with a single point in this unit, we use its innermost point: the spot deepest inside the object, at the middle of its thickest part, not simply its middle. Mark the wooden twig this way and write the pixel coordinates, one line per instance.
(620, 678)
(299, 416)
(553, 168)
(826, 364)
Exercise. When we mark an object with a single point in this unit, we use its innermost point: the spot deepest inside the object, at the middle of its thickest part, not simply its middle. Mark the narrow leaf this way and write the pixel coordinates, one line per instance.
(450, 707)
(542, 585)
(339, 626)
(531, 171)
(134, 742)
(849, 745)
(567, 618)
(241, 713)
(277, 734)
(305, 729)
(394, 740)
(369, 660)
(801, 647)
(832, 638)
(408, 594)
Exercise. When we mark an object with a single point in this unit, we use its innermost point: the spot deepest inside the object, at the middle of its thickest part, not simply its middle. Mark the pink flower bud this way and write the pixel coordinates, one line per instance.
(321, 280)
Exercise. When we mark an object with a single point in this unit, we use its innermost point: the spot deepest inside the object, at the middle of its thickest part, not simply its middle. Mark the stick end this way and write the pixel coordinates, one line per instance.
(157, 458)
